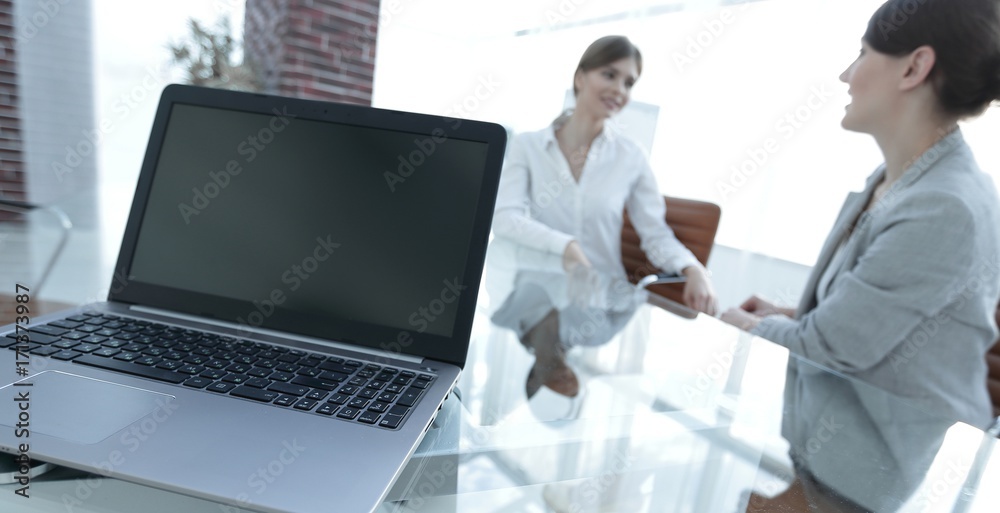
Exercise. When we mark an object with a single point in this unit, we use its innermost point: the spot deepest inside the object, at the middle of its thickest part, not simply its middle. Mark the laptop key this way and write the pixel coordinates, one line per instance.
(333, 376)
(327, 409)
(285, 400)
(220, 386)
(315, 383)
(45, 351)
(45, 329)
(379, 407)
(169, 365)
(288, 358)
(410, 397)
(421, 384)
(198, 382)
(66, 354)
(258, 372)
(369, 417)
(256, 394)
(212, 374)
(391, 421)
(305, 404)
(317, 395)
(191, 369)
(358, 403)
(399, 410)
(289, 389)
(280, 376)
(336, 367)
(127, 356)
(38, 338)
(312, 372)
(348, 413)
(129, 368)
(339, 399)
(237, 379)
(258, 383)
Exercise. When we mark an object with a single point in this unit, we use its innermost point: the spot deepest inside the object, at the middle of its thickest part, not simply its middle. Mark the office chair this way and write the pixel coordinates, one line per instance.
(15, 230)
(693, 222)
(993, 378)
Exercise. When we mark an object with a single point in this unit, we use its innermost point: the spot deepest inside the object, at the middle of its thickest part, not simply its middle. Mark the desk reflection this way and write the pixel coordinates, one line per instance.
(553, 312)
(678, 413)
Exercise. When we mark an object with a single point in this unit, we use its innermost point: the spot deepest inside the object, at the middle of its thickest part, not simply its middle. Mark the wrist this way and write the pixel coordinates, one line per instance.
(696, 270)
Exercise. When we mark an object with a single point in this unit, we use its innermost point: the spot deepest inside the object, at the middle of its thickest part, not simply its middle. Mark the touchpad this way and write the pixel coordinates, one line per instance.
(75, 408)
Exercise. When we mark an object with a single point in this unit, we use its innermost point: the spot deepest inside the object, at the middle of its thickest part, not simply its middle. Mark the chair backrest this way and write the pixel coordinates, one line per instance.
(693, 222)
(993, 378)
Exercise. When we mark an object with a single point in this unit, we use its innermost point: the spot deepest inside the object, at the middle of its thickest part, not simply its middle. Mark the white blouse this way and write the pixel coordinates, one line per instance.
(542, 208)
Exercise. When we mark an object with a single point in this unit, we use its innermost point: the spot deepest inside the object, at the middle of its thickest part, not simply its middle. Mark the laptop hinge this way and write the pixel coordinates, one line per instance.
(247, 331)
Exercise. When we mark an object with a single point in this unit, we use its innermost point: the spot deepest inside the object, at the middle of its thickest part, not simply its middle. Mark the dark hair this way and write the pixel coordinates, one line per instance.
(965, 36)
(606, 50)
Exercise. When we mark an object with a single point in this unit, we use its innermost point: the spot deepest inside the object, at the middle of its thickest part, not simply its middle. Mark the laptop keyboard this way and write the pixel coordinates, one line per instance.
(345, 389)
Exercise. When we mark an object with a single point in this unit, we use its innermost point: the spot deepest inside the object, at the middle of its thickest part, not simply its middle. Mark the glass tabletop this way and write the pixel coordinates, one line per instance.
(674, 412)
(686, 414)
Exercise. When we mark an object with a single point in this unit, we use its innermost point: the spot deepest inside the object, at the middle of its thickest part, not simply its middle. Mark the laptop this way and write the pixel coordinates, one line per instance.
(292, 303)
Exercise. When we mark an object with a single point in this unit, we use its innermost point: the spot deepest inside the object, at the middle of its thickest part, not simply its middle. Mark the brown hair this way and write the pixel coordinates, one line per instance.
(606, 50)
(965, 36)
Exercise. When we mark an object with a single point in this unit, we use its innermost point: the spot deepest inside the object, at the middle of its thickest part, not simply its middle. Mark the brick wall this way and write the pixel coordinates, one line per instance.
(317, 49)
(12, 184)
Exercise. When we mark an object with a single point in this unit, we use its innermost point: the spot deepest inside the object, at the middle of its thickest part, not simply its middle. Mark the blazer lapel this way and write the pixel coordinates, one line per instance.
(853, 205)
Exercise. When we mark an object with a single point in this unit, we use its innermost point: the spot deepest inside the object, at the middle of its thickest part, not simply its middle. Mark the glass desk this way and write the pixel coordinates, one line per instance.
(676, 413)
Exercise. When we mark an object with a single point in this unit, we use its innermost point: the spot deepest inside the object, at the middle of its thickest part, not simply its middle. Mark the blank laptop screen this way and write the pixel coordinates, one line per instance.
(328, 220)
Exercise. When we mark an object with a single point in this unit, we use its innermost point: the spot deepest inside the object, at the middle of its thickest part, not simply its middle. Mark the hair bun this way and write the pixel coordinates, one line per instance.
(993, 78)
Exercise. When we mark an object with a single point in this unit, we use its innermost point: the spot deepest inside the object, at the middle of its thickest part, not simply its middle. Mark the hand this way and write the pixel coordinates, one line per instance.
(762, 308)
(573, 256)
(741, 319)
(698, 292)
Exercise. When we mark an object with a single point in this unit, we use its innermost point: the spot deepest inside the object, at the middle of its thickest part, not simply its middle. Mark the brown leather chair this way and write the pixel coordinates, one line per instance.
(993, 378)
(693, 222)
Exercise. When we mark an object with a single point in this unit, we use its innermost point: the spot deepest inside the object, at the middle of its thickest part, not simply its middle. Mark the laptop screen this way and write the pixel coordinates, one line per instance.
(333, 227)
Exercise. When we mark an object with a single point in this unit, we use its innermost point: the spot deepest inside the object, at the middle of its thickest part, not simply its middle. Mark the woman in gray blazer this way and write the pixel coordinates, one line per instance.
(904, 291)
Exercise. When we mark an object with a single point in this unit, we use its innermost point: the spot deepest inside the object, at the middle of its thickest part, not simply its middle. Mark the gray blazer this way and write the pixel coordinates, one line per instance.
(909, 309)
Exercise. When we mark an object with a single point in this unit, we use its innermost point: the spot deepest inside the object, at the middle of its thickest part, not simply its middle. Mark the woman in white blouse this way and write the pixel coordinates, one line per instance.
(562, 194)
